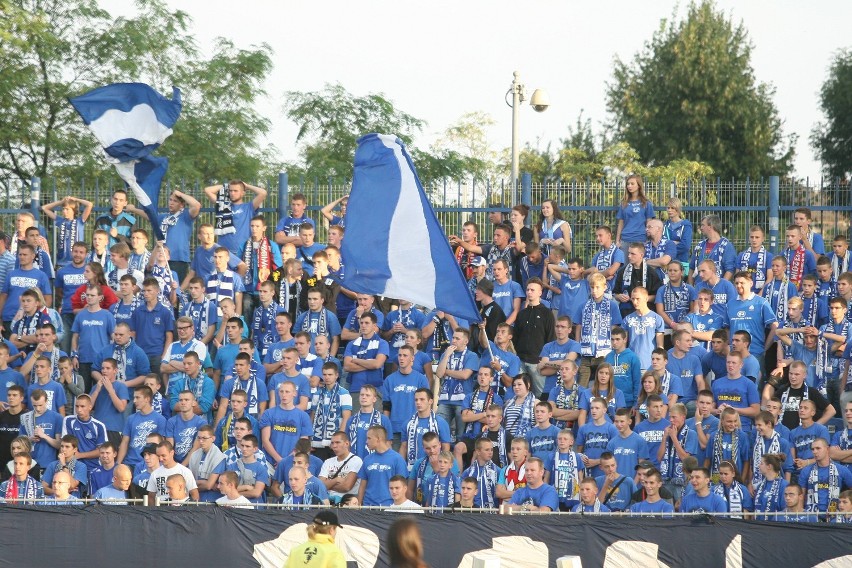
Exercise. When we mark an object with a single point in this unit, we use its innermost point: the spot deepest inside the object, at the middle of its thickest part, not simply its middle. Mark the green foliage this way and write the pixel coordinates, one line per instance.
(331, 121)
(691, 94)
(832, 139)
(467, 139)
(55, 49)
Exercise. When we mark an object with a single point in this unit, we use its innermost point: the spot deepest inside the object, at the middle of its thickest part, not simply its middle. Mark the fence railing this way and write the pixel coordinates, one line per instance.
(586, 204)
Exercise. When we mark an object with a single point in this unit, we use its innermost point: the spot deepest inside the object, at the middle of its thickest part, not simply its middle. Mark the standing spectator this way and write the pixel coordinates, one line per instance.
(93, 275)
(679, 230)
(552, 228)
(260, 258)
(633, 211)
(534, 328)
(365, 356)
(109, 398)
(380, 465)
(202, 259)
(812, 240)
(20, 280)
(176, 225)
(7, 259)
(499, 249)
(636, 272)
(228, 200)
(600, 314)
(659, 251)
(756, 260)
(117, 223)
(328, 212)
(609, 259)
(153, 324)
(283, 425)
(823, 480)
(91, 331)
(287, 229)
(70, 227)
(713, 247)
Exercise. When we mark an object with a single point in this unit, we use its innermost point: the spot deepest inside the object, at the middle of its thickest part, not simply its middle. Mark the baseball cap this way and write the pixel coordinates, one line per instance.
(326, 518)
(644, 464)
(149, 449)
(478, 261)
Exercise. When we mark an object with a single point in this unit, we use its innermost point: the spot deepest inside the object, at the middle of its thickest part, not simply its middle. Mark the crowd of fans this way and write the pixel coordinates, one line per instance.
(669, 372)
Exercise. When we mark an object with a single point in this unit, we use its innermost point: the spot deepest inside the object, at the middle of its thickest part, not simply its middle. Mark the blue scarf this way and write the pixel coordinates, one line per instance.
(327, 415)
(596, 327)
(759, 272)
(411, 431)
(486, 479)
(224, 213)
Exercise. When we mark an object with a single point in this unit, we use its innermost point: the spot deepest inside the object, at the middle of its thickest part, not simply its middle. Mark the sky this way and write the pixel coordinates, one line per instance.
(438, 60)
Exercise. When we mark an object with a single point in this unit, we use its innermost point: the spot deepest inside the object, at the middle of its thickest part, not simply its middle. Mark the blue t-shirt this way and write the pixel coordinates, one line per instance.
(754, 316)
(310, 321)
(105, 410)
(366, 348)
(575, 294)
(377, 470)
(619, 497)
(687, 369)
(542, 442)
(653, 434)
(628, 452)
(95, 332)
(706, 322)
(504, 295)
(286, 427)
(178, 231)
(89, 434)
(135, 361)
(801, 438)
(10, 377)
(543, 496)
(676, 300)
(660, 506)
(712, 503)
(68, 279)
(291, 225)
(359, 423)
(739, 393)
(151, 327)
(642, 335)
(843, 440)
(594, 440)
(510, 364)
(249, 474)
(303, 387)
(137, 428)
(183, 433)
(242, 215)
(554, 352)
(202, 262)
(634, 215)
(420, 428)
(19, 280)
(613, 404)
(453, 391)
(51, 422)
(398, 389)
(822, 486)
(55, 394)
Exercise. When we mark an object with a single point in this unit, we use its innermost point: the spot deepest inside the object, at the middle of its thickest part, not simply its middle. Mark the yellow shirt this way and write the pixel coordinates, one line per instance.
(318, 552)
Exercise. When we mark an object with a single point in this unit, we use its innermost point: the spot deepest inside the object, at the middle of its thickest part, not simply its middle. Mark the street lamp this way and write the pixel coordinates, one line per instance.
(540, 101)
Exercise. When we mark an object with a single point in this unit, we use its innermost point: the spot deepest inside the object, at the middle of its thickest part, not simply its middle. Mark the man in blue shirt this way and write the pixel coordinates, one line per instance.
(287, 229)
(536, 495)
(687, 366)
(68, 279)
(751, 313)
(398, 391)
(365, 357)
(110, 397)
(282, 426)
(241, 212)
(319, 320)
(19, 280)
(139, 425)
(153, 324)
(91, 331)
(737, 392)
(379, 466)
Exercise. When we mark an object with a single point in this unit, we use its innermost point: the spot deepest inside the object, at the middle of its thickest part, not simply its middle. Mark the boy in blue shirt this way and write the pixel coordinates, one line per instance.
(542, 436)
(701, 499)
(627, 369)
(616, 489)
(628, 447)
(594, 436)
(653, 503)
(379, 466)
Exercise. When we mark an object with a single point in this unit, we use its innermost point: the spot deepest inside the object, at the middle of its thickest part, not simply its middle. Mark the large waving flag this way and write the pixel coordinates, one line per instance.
(394, 245)
(131, 120)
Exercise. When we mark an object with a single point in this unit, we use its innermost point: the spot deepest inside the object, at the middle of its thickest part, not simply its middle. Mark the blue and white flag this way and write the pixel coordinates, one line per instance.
(131, 120)
(394, 245)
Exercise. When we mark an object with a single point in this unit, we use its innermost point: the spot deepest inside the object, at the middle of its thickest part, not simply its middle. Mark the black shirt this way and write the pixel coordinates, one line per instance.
(790, 408)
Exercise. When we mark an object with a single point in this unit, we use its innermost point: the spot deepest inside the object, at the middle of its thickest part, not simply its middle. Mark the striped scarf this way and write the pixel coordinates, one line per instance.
(486, 479)
(839, 266)
(759, 451)
(595, 340)
(322, 323)
(812, 500)
(327, 416)
(411, 431)
(30, 489)
(719, 452)
(759, 271)
(374, 420)
(224, 212)
(567, 475)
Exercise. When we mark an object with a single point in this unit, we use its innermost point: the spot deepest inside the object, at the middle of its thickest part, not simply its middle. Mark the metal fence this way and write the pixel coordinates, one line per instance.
(586, 204)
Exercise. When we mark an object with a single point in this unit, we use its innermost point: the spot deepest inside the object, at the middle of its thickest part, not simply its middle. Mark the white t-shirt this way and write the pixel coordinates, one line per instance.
(240, 502)
(331, 468)
(407, 506)
(157, 482)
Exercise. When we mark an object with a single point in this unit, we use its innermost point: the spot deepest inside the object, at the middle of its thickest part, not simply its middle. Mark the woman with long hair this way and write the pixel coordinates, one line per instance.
(735, 493)
(650, 385)
(518, 411)
(679, 231)
(517, 219)
(405, 547)
(552, 228)
(769, 492)
(94, 275)
(633, 211)
(602, 387)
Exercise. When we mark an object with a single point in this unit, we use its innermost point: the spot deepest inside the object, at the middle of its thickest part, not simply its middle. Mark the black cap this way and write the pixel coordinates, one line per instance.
(149, 449)
(644, 464)
(326, 518)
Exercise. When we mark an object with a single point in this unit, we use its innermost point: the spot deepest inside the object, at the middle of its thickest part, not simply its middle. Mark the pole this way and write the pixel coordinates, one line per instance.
(283, 197)
(774, 213)
(517, 98)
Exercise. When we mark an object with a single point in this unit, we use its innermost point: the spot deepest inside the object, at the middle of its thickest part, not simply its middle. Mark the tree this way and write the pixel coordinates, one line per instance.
(331, 121)
(691, 94)
(468, 139)
(832, 139)
(55, 49)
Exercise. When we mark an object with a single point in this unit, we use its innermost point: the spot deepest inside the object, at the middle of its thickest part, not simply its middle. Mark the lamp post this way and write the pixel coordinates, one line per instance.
(539, 101)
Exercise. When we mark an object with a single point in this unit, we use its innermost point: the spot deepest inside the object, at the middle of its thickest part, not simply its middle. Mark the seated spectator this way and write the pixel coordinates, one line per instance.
(21, 487)
(735, 494)
(157, 483)
(589, 501)
(101, 475)
(653, 502)
(794, 498)
(339, 473)
(701, 499)
(616, 490)
(231, 497)
(67, 462)
(117, 492)
(59, 492)
(206, 463)
(535, 495)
